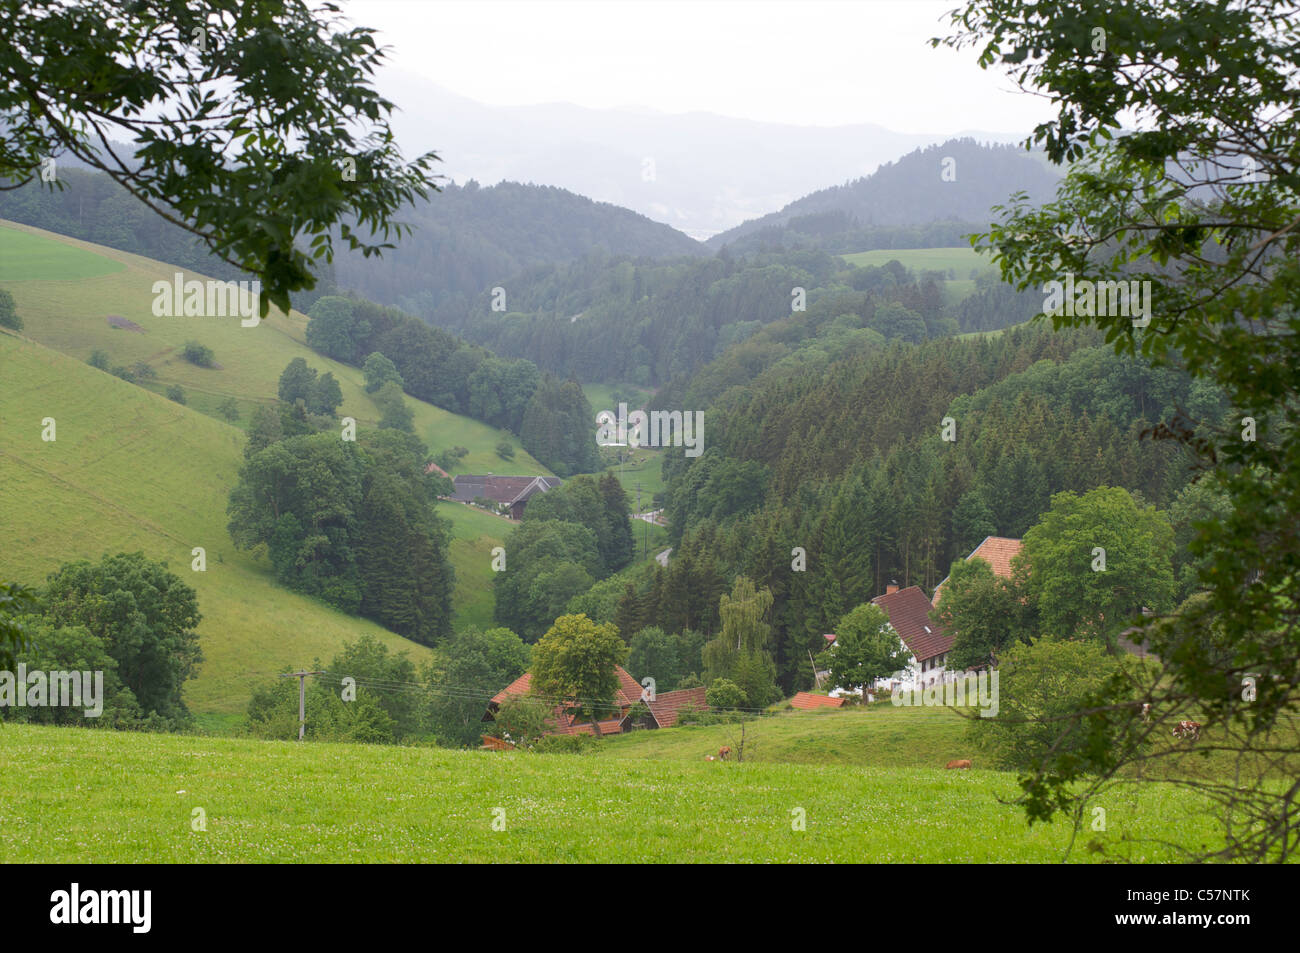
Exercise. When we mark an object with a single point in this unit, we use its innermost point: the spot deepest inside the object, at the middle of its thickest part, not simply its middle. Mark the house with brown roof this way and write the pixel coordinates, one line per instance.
(513, 492)
(661, 711)
(909, 614)
(997, 551)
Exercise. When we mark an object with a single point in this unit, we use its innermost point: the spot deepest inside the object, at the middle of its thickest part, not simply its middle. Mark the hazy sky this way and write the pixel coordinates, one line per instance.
(811, 62)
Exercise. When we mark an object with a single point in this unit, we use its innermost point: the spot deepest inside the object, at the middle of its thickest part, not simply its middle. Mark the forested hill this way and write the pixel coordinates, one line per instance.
(848, 460)
(922, 191)
(651, 322)
(469, 239)
(466, 239)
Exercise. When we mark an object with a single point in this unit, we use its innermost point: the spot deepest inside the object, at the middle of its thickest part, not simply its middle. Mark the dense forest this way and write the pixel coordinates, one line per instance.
(551, 417)
(467, 239)
(824, 487)
(649, 322)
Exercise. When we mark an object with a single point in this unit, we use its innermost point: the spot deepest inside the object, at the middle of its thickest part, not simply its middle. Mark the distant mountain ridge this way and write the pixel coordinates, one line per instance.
(700, 172)
(955, 181)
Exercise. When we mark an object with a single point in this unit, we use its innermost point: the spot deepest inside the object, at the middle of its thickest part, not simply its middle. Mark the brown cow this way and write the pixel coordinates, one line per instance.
(959, 763)
(724, 753)
(709, 757)
(1188, 729)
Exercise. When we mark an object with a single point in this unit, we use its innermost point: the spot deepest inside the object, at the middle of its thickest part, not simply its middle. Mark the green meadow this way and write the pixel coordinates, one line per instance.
(74, 795)
(956, 262)
(876, 735)
(25, 256)
(65, 304)
(476, 533)
(130, 470)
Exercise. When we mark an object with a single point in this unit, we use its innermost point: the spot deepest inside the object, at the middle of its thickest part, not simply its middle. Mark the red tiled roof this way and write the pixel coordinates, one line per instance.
(909, 614)
(434, 468)
(519, 686)
(626, 695)
(997, 551)
(667, 707)
(806, 701)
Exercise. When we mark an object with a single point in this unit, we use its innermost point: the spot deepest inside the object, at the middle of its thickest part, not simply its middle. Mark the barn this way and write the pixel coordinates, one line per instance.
(662, 711)
(512, 492)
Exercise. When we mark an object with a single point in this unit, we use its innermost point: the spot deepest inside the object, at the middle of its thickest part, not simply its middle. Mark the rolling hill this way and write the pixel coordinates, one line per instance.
(130, 469)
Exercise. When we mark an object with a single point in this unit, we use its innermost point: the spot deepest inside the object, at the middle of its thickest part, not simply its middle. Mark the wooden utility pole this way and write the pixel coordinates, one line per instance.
(302, 698)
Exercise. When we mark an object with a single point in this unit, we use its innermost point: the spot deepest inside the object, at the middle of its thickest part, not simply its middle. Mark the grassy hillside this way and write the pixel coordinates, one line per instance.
(71, 288)
(477, 532)
(959, 261)
(880, 735)
(71, 795)
(130, 470)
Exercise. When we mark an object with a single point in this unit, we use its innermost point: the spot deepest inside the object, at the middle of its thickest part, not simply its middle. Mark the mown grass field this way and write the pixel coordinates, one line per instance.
(643, 466)
(130, 470)
(956, 262)
(74, 795)
(876, 735)
(65, 304)
(601, 396)
(477, 532)
(26, 256)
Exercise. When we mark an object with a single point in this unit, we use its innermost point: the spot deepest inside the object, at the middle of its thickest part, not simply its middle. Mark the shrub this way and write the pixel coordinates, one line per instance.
(505, 450)
(98, 359)
(229, 409)
(8, 314)
(565, 744)
(724, 693)
(200, 355)
(177, 393)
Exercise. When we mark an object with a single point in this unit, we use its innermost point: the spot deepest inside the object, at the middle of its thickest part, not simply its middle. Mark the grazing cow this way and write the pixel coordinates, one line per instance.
(1188, 729)
(724, 753)
(959, 763)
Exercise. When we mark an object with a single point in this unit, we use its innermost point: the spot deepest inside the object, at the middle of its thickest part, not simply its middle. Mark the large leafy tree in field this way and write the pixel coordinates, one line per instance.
(145, 616)
(1180, 120)
(741, 650)
(253, 123)
(866, 648)
(983, 613)
(1094, 562)
(574, 664)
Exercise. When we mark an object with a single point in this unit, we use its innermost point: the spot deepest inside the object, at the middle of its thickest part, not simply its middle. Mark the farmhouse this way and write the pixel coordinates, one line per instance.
(661, 712)
(510, 491)
(909, 614)
(997, 551)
